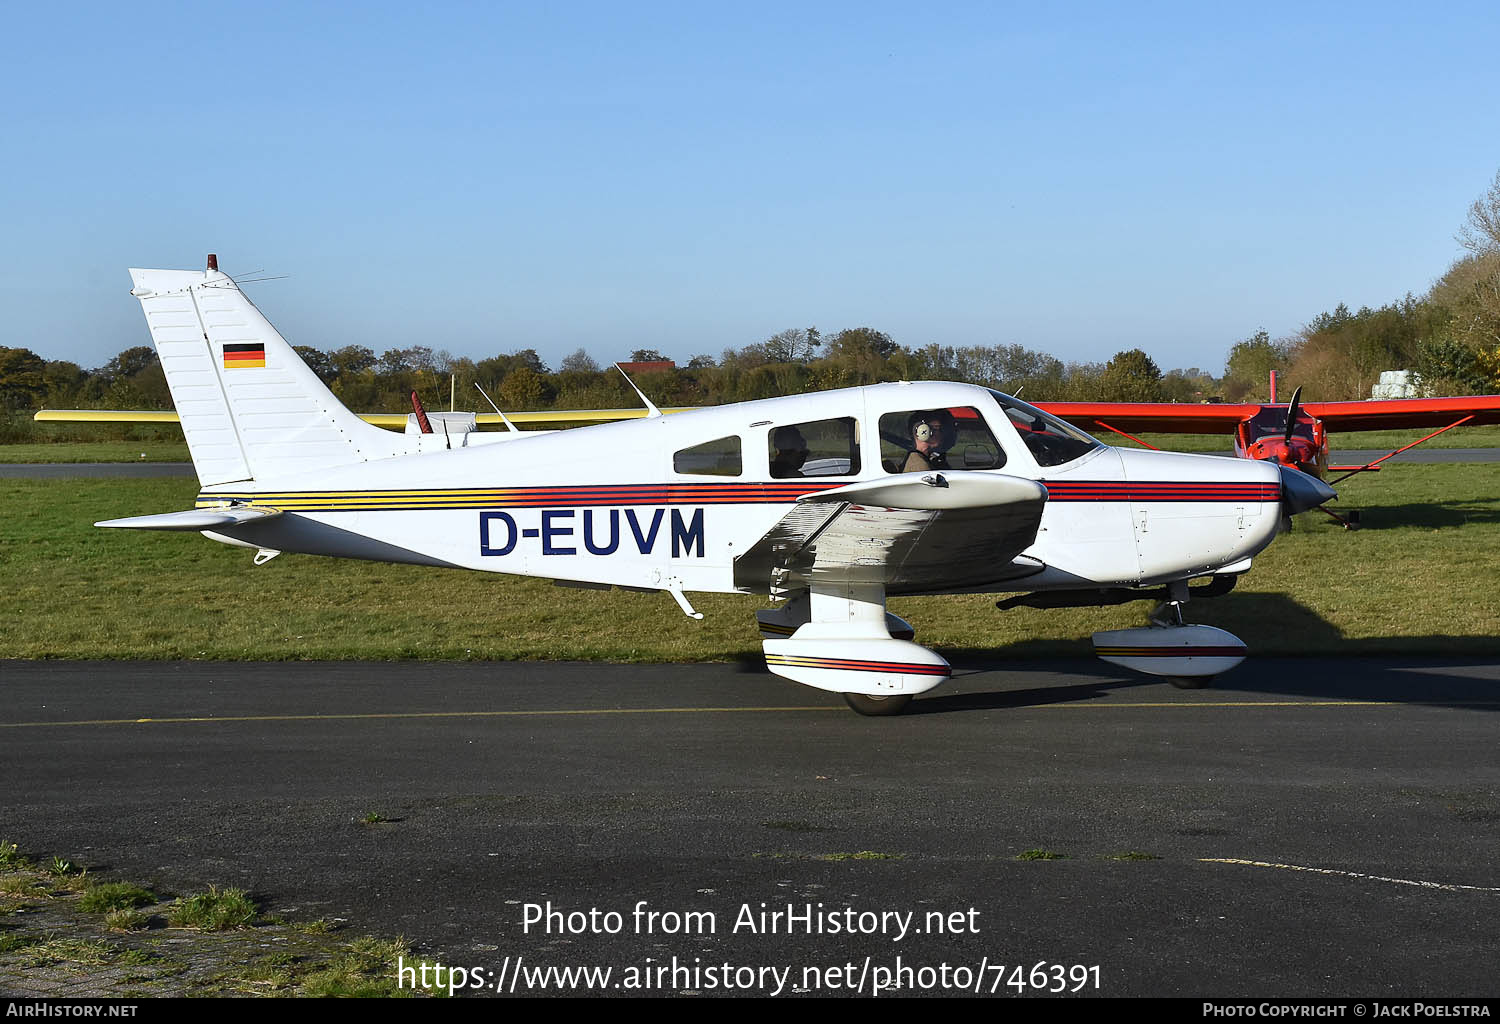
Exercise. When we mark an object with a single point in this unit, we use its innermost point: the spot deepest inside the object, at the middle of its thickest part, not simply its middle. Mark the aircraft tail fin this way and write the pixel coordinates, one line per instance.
(250, 408)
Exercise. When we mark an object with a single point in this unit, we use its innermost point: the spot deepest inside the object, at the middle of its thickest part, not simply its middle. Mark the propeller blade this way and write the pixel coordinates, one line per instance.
(1291, 412)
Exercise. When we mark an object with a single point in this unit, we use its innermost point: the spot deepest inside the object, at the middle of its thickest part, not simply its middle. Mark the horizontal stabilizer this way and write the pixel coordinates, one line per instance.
(194, 519)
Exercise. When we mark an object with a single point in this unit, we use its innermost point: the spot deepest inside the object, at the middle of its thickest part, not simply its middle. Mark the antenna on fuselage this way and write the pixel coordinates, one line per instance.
(649, 404)
(502, 416)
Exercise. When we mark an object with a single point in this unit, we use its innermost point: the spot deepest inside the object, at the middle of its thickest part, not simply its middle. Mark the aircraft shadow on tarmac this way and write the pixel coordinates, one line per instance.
(1426, 516)
(1401, 669)
(1399, 683)
(1394, 669)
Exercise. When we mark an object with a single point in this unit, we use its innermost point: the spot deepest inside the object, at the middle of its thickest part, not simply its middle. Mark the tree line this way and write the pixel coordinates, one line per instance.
(1450, 336)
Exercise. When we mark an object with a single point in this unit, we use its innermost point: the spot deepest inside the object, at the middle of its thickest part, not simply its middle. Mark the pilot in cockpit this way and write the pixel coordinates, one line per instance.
(791, 453)
(931, 433)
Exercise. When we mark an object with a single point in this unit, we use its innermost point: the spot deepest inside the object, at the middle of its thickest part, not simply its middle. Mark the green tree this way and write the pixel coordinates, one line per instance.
(1480, 234)
(22, 378)
(351, 359)
(494, 369)
(128, 363)
(418, 358)
(1190, 385)
(858, 355)
(1340, 355)
(1247, 372)
(1449, 367)
(522, 388)
(63, 380)
(1131, 376)
(579, 362)
(793, 345)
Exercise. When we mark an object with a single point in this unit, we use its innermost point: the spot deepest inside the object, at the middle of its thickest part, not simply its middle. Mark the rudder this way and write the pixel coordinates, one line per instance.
(250, 408)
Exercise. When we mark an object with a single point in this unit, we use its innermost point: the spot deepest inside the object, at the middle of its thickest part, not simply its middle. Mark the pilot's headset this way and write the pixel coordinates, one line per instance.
(917, 427)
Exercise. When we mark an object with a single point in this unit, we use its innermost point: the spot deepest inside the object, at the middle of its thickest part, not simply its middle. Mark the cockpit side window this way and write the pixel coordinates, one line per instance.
(814, 448)
(917, 440)
(719, 457)
(1051, 441)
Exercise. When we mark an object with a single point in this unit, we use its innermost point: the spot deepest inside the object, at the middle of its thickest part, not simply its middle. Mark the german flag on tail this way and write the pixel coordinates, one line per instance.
(244, 355)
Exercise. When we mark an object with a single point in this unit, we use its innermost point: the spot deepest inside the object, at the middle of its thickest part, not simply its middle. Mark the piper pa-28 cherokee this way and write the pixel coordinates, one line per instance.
(803, 497)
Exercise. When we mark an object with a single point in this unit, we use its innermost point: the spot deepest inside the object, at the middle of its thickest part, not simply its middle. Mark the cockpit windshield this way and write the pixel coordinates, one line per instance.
(1271, 421)
(1052, 441)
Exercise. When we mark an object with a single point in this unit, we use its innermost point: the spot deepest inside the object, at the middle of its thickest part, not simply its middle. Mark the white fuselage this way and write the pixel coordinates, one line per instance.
(617, 504)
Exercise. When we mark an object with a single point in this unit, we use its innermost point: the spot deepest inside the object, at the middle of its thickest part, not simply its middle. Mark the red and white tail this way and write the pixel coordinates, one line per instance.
(250, 408)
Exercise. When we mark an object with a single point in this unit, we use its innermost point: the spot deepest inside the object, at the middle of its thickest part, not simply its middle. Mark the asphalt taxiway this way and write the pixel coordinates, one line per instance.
(1309, 827)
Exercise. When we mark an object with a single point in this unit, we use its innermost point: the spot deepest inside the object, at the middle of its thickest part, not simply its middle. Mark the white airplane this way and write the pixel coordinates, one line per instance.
(827, 502)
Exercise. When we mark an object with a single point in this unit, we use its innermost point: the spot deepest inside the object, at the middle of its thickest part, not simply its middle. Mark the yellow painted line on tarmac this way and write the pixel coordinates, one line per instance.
(406, 714)
(563, 712)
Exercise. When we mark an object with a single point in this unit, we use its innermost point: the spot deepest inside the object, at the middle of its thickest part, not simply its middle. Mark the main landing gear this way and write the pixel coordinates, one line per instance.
(838, 636)
(874, 707)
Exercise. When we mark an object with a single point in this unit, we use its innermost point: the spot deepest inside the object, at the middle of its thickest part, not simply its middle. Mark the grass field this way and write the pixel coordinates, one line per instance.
(175, 450)
(1422, 576)
(96, 451)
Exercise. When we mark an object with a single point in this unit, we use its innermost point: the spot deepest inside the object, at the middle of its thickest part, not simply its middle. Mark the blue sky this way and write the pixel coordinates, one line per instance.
(481, 178)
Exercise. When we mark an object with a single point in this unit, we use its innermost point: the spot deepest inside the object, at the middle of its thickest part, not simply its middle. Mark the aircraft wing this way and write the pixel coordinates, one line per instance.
(1185, 418)
(194, 519)
(1161, 417)
(938, 531)
(392, 420)
(1404, 413)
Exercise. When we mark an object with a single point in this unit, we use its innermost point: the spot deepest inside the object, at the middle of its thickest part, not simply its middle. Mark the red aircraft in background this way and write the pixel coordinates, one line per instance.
(1295, 434)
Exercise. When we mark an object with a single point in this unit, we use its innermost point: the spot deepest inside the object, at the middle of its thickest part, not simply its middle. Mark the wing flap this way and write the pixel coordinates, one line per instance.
(193, 519)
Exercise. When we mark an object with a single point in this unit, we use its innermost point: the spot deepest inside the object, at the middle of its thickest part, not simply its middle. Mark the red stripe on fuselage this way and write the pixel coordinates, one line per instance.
(854, 665)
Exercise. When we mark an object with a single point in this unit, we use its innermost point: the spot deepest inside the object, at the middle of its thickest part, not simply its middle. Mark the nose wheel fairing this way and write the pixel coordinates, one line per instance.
(1188, 655)
(1175, 651)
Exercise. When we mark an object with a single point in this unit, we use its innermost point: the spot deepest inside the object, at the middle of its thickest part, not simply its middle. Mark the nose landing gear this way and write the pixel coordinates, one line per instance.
(1187, 656)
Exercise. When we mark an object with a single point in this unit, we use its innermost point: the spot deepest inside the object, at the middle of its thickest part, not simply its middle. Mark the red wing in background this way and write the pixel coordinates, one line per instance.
(1185, 418)
(1159, 417)
(1405, 413)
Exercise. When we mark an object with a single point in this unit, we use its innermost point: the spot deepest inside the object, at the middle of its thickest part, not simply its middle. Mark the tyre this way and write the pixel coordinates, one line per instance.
(875, 707)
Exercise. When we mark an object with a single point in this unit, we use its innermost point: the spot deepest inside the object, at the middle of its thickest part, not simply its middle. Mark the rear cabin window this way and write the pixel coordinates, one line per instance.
(918, 440)
(815, 448)
(719, 457)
